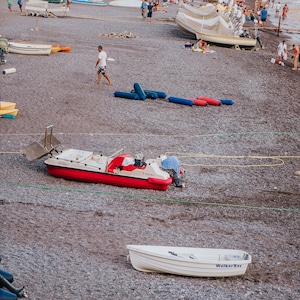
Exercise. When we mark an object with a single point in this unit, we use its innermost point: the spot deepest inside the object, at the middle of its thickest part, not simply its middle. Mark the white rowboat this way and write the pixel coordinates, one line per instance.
(186, 261)
(33, 49)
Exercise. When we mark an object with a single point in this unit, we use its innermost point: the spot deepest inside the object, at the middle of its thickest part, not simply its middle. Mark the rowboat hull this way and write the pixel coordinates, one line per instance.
(196, 262)
(79, 165)
(110, 179)
(244, 42)
(201, 30)
(29, 49)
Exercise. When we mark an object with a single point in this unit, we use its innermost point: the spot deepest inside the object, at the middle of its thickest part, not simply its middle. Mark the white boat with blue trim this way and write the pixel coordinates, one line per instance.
(186, 261)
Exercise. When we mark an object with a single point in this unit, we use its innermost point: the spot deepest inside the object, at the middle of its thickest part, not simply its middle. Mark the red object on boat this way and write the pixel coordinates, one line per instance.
(210, 101)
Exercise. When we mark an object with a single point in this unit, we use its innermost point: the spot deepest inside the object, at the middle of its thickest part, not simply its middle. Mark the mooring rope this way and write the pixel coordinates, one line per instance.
(156, 198)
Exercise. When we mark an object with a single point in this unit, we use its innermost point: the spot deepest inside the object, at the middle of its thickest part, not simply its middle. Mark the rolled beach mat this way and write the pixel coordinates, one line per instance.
(6, 295)
(149, 95)
(181, 101)
(210, 101)
(198, 102)
(161, 95)
(8, 276)
(227, 101)
(9, 71)
(139, 90)
(126, 95)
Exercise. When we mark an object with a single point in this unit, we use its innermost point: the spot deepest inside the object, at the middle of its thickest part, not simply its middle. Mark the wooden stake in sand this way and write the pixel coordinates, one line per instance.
(36, 24)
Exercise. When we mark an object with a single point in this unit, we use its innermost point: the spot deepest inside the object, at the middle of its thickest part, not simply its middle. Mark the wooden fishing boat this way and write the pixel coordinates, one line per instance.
(186, 261)
(31, 49)
(13, 112)
(7, 105)
(118, 169)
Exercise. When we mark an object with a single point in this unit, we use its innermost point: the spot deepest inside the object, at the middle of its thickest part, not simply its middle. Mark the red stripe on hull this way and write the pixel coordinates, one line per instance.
(111, 179)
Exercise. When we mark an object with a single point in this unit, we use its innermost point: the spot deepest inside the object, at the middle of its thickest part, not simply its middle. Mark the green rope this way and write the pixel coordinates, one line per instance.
(156, 198)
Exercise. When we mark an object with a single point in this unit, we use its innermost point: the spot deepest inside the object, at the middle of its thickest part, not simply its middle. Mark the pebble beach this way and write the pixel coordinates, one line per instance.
(67, 240)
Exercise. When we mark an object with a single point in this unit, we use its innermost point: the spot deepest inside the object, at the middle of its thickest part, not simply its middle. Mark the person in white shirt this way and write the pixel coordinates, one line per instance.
(101, 61)
(277, 9)
(282, 51)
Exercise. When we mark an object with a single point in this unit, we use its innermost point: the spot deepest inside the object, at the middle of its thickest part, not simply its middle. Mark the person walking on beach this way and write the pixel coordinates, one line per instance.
(101, 61)
(20, 3)
(9, 4)
(150, 10)
(144, 8)
(263, 16)
(281, 51)
(296, 55)
(284, 11)
(277, 9)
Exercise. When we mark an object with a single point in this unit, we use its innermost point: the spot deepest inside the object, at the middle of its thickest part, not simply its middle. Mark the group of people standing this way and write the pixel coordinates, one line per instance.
(282, 52)
(147, 9)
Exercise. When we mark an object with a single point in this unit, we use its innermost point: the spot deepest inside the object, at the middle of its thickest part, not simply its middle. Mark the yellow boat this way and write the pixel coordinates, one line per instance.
(8, 112)
(7, 105)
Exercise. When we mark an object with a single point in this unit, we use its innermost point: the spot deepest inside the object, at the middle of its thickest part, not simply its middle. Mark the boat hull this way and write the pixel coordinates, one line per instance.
(196, 262)
(29, 49)
(106, 178)
(198, 28)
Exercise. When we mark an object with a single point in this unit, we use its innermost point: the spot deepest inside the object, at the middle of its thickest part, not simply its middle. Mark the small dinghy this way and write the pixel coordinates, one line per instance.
(118, 169)
(196, 262)
(29, 49)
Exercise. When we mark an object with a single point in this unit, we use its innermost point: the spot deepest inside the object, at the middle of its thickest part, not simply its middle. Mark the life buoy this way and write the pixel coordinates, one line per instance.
(181, 101)
(139, 90)
(210, 101)
(126, 95)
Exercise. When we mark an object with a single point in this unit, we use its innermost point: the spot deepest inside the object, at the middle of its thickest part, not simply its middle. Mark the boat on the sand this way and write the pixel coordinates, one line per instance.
(214, 25)
(186, 261)
(120, 169)
(28, 48)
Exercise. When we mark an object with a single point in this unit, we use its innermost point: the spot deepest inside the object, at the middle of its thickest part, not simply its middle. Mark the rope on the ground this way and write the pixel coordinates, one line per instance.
(122, 195)
(279, 159)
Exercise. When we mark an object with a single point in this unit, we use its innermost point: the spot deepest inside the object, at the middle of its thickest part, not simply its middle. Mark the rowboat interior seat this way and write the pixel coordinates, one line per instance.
(233, 257)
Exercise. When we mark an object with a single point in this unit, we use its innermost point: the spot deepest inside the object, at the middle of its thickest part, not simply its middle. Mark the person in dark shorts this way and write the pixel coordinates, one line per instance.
(101, 61)
(150, 10)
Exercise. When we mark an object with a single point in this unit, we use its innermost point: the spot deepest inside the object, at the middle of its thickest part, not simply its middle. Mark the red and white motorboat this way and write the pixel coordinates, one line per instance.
(118, 169)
